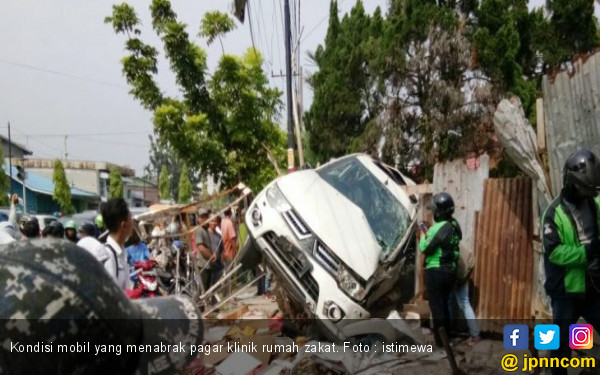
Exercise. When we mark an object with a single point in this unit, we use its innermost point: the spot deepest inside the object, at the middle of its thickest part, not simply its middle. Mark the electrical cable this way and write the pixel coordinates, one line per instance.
(61, 74)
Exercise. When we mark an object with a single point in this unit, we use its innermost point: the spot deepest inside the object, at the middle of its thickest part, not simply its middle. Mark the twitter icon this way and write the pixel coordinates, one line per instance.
(547, 337)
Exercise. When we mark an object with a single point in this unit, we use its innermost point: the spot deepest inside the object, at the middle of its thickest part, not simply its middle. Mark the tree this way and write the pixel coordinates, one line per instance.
(164, 183)
(506, 47)
(439, 110)
(222, 126)
(4, 183)
(185, 186)
(62, 190)
(572, 29)
(347, 90)
(165, 156)
(215, 25)
(115, 189)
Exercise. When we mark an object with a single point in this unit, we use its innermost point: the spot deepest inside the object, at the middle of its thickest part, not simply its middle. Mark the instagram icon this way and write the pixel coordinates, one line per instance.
(581, 336)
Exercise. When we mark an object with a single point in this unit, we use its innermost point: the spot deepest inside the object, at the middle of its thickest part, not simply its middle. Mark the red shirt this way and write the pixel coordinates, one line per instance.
(229, 239)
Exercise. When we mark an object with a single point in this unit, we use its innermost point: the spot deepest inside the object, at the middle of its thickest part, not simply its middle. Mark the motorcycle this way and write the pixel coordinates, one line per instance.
(147, 284)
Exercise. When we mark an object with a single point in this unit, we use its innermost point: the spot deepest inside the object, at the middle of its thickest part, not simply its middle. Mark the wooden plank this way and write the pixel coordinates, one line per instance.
(541, 125)
(418, 189)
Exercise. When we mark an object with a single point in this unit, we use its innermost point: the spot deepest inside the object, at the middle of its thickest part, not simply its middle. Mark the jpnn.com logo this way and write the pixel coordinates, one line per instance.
(516, 337)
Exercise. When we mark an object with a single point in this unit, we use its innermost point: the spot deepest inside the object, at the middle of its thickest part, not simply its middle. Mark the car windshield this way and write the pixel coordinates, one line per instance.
(386, 216)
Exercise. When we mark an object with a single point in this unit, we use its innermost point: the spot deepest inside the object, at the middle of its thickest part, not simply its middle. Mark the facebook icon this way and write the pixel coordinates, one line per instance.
(516, 337)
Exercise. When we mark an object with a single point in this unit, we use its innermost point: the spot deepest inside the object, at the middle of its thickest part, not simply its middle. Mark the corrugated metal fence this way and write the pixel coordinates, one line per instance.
(572, 113)
(465, 185)
(503, 246)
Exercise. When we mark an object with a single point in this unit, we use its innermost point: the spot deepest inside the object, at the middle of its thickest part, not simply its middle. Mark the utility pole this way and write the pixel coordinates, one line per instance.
(10, 161)
(288, 71)
(66, 153)
(298, 119)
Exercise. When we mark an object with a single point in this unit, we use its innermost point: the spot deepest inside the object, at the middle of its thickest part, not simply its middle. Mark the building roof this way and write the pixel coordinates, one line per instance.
(25, 150)
(43, 185)
(73, 164)
(141, 182)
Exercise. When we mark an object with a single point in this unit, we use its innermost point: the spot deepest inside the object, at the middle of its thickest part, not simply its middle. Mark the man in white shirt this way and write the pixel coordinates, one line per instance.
(90, 243)
(118, 222)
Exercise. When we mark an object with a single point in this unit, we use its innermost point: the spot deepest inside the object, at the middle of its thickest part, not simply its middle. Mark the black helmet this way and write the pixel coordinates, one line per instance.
(58, 231)
(30, 226)
(581, 175)
(442, 206)
(88, 229)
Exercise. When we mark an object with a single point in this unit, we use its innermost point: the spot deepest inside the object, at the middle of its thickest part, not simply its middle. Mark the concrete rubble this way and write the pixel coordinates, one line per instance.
(255, 319)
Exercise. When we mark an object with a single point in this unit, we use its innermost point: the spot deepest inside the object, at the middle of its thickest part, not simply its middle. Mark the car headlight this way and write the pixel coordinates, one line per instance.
(350, 284)
(277, 200)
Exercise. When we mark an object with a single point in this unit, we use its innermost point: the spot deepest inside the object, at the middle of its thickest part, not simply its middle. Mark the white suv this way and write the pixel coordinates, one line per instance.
(337, 237)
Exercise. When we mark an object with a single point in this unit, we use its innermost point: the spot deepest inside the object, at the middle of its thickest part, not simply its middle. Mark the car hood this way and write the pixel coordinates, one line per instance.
(333, 218)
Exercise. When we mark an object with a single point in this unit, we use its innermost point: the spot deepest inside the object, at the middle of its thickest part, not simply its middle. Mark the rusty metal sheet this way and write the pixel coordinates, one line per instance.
(504, 250)
(572, 113)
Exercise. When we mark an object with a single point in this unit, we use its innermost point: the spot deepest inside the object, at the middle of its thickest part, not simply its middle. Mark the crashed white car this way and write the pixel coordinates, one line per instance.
(337, 238)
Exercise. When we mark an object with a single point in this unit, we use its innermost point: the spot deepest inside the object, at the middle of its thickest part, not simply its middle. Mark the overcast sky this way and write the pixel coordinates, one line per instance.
(60, 70)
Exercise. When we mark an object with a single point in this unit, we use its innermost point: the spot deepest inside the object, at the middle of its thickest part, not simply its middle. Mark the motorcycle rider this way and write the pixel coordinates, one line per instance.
(571, 244)
(441, 248)
(71, 231)
(100, 228)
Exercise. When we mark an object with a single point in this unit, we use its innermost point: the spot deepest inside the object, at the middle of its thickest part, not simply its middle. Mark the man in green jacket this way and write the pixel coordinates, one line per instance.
(440, 246)
(570, 228)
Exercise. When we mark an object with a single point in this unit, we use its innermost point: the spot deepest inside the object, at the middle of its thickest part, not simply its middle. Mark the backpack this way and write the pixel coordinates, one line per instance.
(466, 263)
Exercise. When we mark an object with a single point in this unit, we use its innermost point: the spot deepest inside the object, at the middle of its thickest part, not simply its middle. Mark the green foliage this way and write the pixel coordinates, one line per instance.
(165, 156)
(505, 46)
(62, 190)
(222, 126)
(215, 25)
(347, 91)
(123, 19)
(185, 186)
(164, 184)
(419, 85)
(115, 189)
(573, 29)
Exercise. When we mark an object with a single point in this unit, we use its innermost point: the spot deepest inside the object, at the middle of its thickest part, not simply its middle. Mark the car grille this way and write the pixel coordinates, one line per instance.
(326, 258)
(297, 225)
(296, 261)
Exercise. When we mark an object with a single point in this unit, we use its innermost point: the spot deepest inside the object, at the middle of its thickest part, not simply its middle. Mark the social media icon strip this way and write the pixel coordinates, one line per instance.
(547, 337)
(581, 336)
(516, 337)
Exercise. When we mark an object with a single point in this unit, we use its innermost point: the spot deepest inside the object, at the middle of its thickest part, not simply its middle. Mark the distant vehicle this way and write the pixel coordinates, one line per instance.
(44, 220)
(80, 218)
(4, 213)
(340, 239)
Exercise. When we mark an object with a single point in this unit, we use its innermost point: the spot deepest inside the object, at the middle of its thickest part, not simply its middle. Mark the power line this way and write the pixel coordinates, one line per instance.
(75, 135)
(265, 37)
(320, 23)
(110, 142)
(250, 23)
(275, 22)
(44, 144)
(61, 74)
